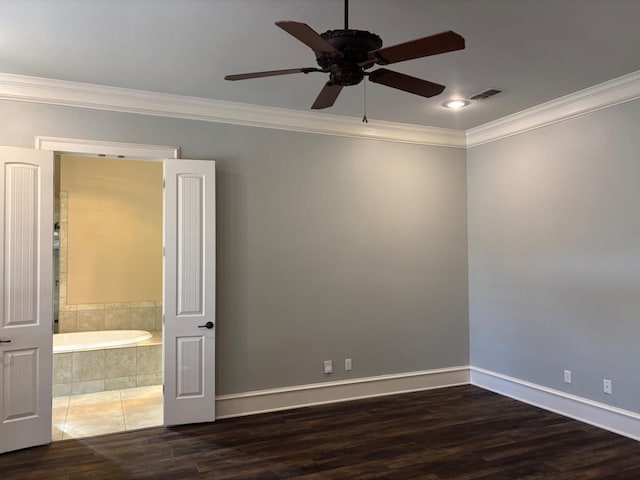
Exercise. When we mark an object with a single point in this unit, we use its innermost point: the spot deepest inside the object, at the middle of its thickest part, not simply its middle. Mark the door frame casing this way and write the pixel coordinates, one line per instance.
(73, 146)
(76, 146)
(158, 153)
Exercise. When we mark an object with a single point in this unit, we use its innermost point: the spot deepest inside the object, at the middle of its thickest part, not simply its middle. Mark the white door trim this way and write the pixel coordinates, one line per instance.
(109, 149)
(158, 153)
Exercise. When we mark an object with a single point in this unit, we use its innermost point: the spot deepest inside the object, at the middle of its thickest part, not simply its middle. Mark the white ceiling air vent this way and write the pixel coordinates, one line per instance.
(485, 94)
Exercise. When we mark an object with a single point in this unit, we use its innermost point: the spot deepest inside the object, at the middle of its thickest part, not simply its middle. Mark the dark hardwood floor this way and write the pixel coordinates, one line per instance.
(458, 433)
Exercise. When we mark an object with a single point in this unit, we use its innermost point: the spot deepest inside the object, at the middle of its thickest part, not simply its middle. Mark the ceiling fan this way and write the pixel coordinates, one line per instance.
(347, 54)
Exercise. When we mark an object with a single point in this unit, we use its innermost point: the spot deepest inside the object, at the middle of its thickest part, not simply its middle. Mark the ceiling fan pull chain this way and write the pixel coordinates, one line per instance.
(364, 118)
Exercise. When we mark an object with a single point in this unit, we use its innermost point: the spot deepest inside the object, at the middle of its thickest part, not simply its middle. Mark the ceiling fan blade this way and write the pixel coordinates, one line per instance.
(327, 96)
(407, 83)
(308, 36)
(270, 73)
(422, 47)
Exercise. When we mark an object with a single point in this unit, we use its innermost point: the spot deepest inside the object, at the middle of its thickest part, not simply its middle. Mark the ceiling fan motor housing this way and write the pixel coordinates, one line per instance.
(354, 45)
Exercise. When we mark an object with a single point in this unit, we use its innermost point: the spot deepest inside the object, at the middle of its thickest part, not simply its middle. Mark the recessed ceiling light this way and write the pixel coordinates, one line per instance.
(456, 103)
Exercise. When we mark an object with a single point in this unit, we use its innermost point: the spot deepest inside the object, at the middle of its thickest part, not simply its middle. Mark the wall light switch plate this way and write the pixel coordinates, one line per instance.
(567, 376)
(328, 366)
(607, 386)
(347, 364)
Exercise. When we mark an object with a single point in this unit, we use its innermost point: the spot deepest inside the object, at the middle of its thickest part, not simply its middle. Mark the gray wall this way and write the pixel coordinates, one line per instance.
(554, 255)
(328, 247)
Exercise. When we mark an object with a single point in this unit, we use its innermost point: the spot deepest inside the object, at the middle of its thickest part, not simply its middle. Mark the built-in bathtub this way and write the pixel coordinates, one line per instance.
(87, 362)
(82, 341)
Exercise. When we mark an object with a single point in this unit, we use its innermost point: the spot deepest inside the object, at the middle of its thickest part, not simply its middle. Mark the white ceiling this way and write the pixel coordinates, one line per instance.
(536, 50)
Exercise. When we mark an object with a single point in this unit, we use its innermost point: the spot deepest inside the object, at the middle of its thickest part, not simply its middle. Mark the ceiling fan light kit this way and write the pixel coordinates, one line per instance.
(347, 54)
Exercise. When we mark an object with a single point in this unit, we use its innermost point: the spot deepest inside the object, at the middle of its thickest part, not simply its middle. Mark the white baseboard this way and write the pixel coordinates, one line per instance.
(617, 420)
(262, 401)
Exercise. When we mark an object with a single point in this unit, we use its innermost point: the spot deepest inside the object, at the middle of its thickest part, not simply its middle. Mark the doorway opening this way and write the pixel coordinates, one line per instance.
(188, 279)
(107, 359)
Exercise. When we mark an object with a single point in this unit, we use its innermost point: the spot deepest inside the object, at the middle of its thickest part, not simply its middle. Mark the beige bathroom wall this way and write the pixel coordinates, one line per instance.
(114, 229)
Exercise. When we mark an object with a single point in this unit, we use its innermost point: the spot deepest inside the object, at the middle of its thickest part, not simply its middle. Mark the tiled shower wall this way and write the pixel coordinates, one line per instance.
(145, 315)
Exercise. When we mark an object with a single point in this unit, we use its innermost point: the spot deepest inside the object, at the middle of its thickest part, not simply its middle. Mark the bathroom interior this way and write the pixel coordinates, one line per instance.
(107, 360)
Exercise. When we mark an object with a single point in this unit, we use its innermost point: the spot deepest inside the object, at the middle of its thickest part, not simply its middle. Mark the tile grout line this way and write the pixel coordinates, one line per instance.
(66, 413)
(64, 422)
(124, 418)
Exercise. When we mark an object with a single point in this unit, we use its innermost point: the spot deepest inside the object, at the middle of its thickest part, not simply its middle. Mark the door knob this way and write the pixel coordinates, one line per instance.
(206, 325)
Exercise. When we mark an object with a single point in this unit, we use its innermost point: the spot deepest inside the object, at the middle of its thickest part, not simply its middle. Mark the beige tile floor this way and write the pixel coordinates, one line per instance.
(77, 416)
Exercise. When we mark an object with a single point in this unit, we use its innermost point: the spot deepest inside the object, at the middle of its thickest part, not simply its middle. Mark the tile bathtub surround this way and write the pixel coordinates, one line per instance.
(158, 316)
(108, 369)
(90, 320)
(67, 321)
(120, 362)
(62, 368)
(143, 318)
(87, 365)
(117, 318)
(148, 359)
(108, 316)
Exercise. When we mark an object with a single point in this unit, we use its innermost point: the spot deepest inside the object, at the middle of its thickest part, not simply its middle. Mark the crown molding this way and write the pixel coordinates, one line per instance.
(603, 95)
(84, 95)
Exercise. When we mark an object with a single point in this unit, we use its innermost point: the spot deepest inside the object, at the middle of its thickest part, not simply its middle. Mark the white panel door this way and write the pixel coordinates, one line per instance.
(26, 297)
(189, 292)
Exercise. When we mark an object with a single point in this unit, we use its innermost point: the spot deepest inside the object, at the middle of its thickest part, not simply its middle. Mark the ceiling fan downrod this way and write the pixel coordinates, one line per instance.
(346, 14)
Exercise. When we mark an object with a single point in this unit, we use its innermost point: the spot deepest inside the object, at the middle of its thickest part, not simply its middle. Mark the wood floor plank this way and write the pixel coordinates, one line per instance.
(458, 433)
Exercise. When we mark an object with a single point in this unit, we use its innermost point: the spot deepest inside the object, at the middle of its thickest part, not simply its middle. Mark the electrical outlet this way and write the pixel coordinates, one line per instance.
(607, 386)
(347, 364)
(328, 366)
(567, 376)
